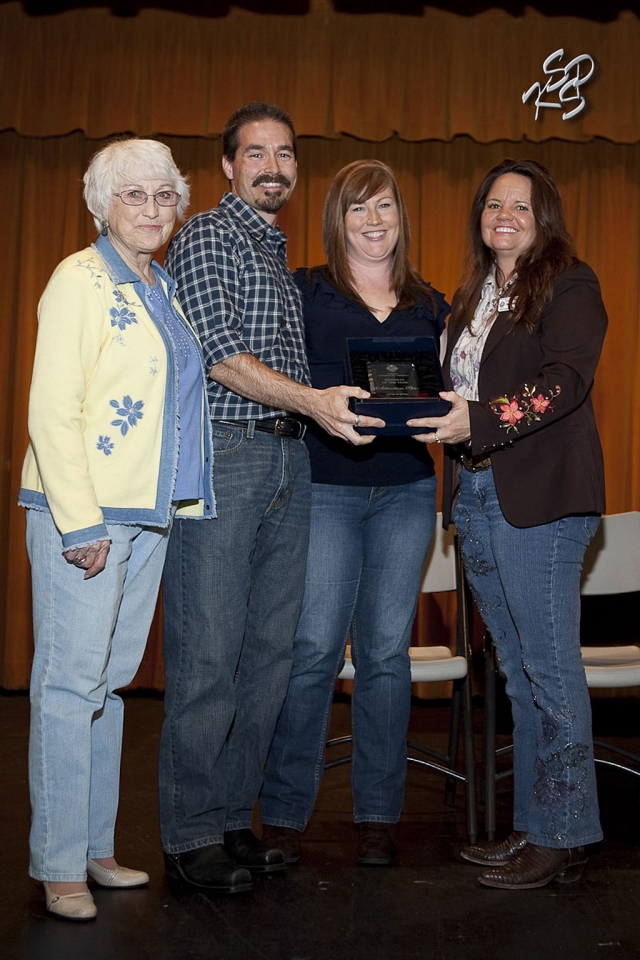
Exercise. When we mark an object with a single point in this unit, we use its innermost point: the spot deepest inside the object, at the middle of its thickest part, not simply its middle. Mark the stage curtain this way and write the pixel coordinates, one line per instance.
(45, 219)
(433, 76)
(437, 96)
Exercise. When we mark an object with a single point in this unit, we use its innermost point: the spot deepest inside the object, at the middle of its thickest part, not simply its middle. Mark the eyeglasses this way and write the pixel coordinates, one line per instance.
(137, 198)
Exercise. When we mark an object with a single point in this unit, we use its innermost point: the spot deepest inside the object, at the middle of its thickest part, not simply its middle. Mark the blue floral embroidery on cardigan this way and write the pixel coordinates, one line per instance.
(120, 318)
(129, 411)
(123, 316)
(104, 443)
(95, 275)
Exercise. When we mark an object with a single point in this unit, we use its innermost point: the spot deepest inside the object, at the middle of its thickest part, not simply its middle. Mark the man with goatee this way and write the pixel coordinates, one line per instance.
(233, 587)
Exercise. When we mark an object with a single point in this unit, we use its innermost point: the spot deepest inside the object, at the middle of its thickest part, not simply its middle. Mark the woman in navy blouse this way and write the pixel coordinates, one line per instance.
(373, 515)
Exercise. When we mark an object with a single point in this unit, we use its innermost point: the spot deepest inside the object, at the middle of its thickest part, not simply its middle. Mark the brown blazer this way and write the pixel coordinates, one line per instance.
(535, 416)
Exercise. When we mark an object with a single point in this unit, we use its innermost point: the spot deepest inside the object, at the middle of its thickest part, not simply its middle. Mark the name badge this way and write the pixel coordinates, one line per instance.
(505, 304)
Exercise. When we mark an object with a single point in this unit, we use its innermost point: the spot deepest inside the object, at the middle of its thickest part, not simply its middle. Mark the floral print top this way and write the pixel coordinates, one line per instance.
(467, 353)
(466, 357)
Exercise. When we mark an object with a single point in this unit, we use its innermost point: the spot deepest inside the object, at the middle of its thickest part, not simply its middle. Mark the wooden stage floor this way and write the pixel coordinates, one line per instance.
(428, 907)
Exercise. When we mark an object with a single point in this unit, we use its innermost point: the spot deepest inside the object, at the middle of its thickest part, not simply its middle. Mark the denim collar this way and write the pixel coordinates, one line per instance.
(118, 270)
(251, 219)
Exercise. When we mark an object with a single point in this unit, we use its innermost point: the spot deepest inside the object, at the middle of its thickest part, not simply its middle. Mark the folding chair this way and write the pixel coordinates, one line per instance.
(612, 566)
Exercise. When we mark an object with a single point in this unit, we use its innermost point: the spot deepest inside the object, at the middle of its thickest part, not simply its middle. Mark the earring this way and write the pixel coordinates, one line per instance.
(105, 227)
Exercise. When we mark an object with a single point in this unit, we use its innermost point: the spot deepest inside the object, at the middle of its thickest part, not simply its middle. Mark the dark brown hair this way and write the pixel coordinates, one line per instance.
(253, 112)
(552, 251)
(355, 183)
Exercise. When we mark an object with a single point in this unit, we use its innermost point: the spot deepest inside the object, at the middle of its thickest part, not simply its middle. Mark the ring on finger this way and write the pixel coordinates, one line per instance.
(436, 437)
(356, 422)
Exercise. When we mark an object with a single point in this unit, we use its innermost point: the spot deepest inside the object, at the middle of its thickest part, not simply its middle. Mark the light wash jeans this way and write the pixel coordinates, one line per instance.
(366, 553)
(527, 586)
(90, 636)
(232, 595)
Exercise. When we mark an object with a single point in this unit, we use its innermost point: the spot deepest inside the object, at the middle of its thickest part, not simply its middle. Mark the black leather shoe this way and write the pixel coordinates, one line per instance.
(246, 850)
(492, 854)
(536, 867)
(282, 838)
(208, 867)
(377, 844)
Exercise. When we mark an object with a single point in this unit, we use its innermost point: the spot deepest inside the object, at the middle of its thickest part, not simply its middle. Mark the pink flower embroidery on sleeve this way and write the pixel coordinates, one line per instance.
(510, 412)
(526, 407)
(539, 403)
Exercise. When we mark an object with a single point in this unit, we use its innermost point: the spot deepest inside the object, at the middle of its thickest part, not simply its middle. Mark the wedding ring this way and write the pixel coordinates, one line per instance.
(356, 422)
(437, 438)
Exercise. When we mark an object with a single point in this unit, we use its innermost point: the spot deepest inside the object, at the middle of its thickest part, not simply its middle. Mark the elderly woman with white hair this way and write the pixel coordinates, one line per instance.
(119, 440)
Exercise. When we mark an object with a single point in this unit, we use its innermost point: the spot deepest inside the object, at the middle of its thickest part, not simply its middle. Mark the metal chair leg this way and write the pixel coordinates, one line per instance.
(489, 740)
(464, 647)
(454, 740)
(469, 760)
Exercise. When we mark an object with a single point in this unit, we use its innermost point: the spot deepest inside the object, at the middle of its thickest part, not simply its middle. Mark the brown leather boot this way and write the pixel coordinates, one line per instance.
(536, 867)
(377, 844)
(492, 854)
(283, 838)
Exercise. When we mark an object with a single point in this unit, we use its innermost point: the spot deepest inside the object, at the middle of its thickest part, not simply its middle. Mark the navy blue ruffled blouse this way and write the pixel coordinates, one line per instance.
(330, 318)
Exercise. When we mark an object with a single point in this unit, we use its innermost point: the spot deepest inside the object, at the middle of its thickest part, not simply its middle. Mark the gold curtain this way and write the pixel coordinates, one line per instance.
(433, 76)
(97, 75)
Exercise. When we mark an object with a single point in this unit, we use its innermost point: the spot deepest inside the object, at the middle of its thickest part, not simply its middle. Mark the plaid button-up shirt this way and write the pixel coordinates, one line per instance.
(236, 289)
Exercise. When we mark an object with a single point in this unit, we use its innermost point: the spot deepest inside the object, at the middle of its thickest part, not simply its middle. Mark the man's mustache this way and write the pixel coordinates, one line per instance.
(275, 178)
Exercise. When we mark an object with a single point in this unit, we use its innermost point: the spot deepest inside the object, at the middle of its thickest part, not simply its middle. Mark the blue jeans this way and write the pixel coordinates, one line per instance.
(90, 636)
(527, 586)
(366, 553)
(232, 595)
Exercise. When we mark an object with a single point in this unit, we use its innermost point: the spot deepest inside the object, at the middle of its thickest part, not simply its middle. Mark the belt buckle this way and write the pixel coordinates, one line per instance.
(474, 464)
(289, 428)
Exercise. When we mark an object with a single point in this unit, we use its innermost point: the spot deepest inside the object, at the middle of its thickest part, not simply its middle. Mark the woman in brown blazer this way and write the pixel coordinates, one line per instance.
(524, 485)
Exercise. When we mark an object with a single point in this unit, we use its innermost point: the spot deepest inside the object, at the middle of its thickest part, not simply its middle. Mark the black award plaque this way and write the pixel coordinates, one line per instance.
(389, 379)
(403, 377)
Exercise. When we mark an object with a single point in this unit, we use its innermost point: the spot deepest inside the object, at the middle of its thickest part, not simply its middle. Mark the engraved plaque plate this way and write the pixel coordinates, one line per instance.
(389, 379)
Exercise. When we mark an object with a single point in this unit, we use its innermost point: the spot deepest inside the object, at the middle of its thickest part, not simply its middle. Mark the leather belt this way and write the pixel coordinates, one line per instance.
(474, 464)
(286, 427)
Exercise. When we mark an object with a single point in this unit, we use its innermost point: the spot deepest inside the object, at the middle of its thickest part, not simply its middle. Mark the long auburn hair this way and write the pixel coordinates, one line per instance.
(355, 183)
(552, 251)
